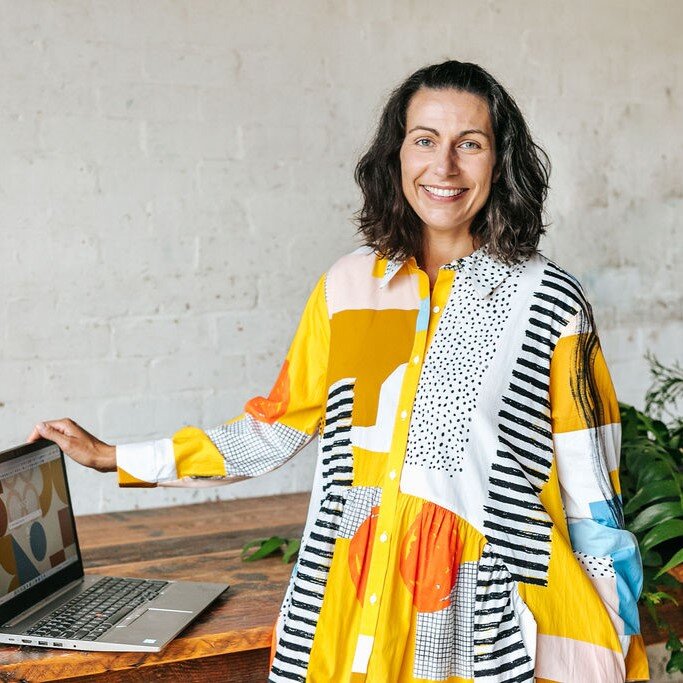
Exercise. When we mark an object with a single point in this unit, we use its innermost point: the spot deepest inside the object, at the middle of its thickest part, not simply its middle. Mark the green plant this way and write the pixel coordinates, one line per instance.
(271, 546)
(652, 488)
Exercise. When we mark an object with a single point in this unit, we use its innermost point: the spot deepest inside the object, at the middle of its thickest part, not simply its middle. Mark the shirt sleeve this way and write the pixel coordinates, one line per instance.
(587, 441)
(268, 433)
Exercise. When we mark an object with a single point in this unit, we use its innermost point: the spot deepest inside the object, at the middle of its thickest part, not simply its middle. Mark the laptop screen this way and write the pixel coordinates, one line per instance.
(38, 547)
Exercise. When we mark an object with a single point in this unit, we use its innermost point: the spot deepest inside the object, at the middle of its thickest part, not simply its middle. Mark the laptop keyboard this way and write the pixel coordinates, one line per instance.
(97, 609)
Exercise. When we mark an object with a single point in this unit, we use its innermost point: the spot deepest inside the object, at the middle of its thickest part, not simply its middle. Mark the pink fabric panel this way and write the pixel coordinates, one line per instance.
(351, 286)
(564, 659)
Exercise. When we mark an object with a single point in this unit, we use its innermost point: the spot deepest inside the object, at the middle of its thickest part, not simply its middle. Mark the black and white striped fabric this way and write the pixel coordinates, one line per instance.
(303, 601)
(501, 654)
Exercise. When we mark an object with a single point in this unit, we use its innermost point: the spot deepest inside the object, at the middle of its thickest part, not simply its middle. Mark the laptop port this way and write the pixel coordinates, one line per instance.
(42, 642)
(26, 640)
(57, 644)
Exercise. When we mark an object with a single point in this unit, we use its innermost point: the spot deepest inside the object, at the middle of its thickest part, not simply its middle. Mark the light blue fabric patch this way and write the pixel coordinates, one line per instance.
(423, 315)
(590, 537)
(629, 584)
(603, 512)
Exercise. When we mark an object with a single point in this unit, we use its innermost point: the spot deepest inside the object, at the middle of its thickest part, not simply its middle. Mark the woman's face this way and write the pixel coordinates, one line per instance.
(447, 158)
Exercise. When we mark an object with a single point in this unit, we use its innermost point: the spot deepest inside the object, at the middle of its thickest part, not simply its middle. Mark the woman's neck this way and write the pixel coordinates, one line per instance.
(442, 249)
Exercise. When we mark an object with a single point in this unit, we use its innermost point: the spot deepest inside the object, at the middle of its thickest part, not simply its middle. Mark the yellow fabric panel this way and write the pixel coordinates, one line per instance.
(616, 484)
(560, 607)
(369, 467)
(127, 479)
(360, 343)
(332, 661)
(474, 542)
(195, 455)
(307, 365)
(551, 499)
(440, 294)
(398, 603)
(636, 660)
(379, 268)
(396, 611)
(566, 402)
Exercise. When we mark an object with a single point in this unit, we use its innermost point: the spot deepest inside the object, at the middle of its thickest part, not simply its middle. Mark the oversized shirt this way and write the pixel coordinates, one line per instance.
(465, 522)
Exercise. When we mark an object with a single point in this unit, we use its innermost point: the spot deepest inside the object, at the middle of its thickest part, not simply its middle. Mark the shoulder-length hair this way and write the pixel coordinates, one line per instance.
(511, 221)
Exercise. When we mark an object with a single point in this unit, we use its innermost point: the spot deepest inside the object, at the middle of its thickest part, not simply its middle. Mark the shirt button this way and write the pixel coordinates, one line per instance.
(436, 309)
(373, 599)
(416, 360)
(404, 414)
(392, 474)
(383, 537)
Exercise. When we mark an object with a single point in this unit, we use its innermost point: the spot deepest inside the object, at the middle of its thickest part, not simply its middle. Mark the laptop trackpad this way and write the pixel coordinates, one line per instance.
(154, 626)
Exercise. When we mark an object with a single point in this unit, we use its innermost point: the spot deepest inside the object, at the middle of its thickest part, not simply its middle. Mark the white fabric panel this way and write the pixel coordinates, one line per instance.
(574, 454)
(362, 654)
(150, 461)
(378, 437)
(527, 622)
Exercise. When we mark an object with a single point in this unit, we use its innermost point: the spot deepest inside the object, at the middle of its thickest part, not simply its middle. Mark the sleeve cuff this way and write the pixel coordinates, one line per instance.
(145, 463)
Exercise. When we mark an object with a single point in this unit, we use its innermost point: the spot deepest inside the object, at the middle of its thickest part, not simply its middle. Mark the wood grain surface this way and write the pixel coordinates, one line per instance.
(194, 542)
(231, 640)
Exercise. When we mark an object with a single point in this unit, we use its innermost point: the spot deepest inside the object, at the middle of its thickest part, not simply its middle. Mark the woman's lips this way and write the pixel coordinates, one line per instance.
(447, 198)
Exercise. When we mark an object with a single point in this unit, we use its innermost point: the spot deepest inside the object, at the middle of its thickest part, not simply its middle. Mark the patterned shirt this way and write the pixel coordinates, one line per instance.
(465, 521)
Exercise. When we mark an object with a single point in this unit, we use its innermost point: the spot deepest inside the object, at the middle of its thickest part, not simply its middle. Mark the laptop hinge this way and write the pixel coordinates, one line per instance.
(43, 603)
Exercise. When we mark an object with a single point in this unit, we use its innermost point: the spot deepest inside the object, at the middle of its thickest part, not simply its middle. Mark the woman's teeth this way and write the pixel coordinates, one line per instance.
(443, 192)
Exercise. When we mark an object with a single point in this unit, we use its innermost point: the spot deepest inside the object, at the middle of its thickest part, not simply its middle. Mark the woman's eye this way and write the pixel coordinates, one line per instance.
(469, 144)
(423, 142)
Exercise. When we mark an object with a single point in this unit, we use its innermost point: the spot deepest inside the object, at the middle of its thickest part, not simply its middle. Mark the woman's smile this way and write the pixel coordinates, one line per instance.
(444, 194)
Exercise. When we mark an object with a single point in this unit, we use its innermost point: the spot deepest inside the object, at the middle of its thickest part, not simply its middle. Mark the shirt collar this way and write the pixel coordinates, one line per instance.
(485, 271)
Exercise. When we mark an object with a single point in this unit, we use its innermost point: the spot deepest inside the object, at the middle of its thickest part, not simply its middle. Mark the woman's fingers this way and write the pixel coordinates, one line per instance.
(34, 436)
(78, 444)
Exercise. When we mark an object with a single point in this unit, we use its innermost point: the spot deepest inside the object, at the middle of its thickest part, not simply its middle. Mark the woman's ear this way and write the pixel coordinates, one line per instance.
(496, 173)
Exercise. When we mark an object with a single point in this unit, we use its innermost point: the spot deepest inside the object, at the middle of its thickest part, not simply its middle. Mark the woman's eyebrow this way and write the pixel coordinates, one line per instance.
(469, 131)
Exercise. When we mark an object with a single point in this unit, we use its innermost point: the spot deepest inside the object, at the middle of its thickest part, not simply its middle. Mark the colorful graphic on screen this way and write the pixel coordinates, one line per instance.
(36, 533)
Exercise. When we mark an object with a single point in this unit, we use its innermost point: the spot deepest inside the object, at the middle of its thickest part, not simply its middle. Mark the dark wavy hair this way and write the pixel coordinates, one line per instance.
(511, 221)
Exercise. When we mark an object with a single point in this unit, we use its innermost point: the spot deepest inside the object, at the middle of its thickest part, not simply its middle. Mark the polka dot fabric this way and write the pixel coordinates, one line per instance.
(596, 567)
(466, 340)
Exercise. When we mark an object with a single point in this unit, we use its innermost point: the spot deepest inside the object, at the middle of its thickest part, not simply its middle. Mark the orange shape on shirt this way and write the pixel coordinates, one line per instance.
(429, 557)
(360, 552)
(270, 409)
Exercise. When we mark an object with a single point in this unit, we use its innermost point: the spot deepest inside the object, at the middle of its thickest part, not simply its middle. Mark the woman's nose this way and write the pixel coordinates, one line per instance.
(446, 163)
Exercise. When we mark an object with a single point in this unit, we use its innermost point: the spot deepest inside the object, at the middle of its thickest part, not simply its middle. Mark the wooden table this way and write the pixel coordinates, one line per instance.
(231, 642)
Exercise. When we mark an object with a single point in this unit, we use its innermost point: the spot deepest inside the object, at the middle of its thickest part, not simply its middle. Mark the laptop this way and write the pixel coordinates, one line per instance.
(45, 598)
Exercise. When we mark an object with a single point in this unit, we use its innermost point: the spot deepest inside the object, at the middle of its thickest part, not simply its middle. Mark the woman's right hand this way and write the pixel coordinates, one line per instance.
(78, 444)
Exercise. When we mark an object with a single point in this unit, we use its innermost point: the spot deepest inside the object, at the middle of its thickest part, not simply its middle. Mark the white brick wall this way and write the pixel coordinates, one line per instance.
(176, 174)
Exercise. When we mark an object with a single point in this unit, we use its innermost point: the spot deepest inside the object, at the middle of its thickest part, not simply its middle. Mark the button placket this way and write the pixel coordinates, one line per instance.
(387, 509)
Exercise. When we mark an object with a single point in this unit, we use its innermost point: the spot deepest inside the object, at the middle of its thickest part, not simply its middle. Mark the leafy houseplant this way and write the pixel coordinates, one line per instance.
(652, 488)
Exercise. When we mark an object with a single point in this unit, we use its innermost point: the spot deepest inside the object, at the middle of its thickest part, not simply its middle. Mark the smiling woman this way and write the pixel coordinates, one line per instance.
(466, 519)
(450, 127)
(447, 160)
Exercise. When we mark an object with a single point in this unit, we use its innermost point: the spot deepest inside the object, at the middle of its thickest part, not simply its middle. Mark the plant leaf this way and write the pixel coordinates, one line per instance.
(672, 528)
(665, 488)
(656, 514)
(651, 558)
(268, 547)
(675, 663)
(673, 562)
(251, 544)
(652, 472)
(291, 550)
(658, 598)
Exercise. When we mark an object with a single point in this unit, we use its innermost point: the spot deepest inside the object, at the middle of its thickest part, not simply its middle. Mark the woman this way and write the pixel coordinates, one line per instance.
(465, 521)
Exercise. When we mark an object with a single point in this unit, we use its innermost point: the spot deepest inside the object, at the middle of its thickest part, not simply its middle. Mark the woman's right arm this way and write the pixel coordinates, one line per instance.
(269, 432)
